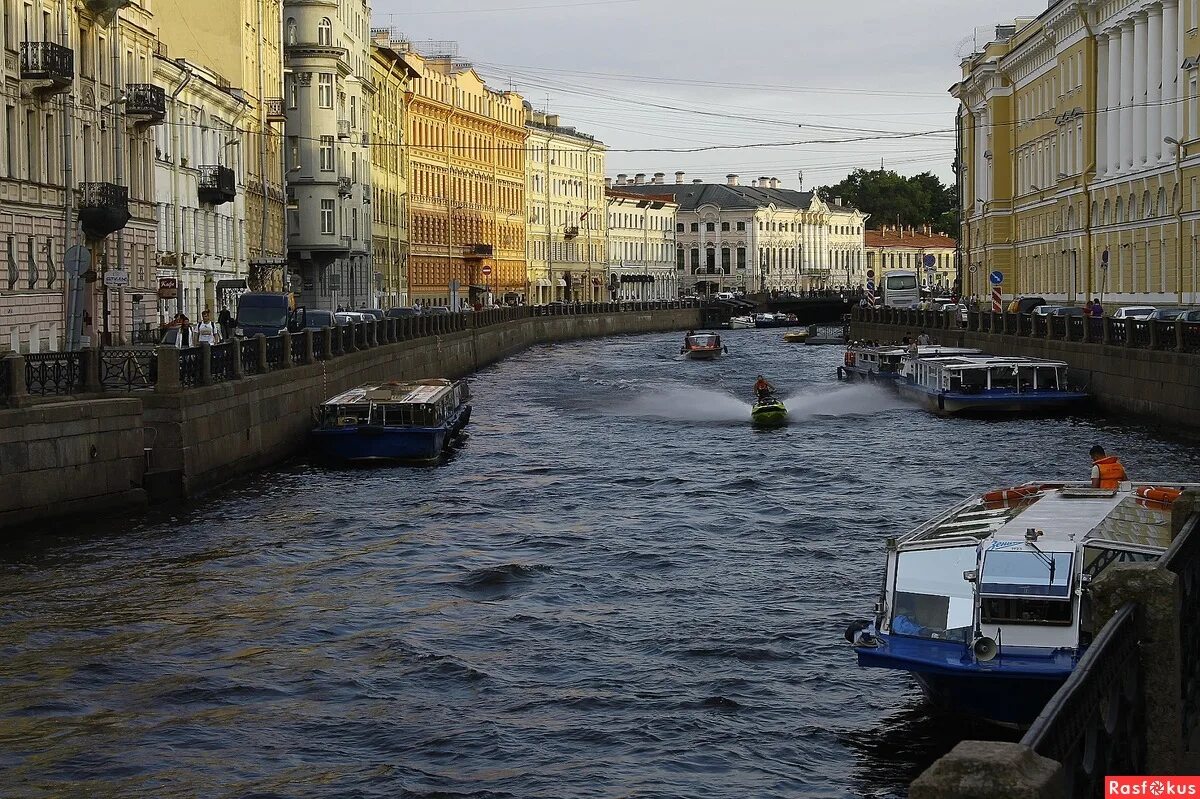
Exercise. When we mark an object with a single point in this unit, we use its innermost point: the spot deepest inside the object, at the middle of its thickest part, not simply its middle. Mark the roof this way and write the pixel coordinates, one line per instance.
(621, 194)
(691, 196)
(416, 393)
(986, 361)
(908, 239)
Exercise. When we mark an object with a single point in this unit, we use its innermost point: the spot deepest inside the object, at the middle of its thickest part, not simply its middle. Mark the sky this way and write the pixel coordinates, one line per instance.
(741, 81)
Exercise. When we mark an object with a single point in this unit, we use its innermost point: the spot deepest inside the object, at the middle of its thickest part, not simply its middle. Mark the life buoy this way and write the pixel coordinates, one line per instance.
(1012, 494)
(849, 359)
(1159, 494)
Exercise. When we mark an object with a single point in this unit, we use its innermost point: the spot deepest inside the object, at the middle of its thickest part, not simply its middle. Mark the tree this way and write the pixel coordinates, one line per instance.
(892, 199)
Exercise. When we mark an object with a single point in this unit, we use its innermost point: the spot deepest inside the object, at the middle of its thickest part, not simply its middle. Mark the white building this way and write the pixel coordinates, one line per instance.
(760, 237)
(641, 246)
(200, 190)
(327, 95)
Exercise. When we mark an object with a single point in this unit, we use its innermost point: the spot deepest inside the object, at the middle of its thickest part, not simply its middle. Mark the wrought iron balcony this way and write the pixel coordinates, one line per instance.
(217, 185)
(145, 103)
(343, 128)
(570, 231)
(48, 63)
(344, 189)
(103, 208)
(275, 110)
(106, 6)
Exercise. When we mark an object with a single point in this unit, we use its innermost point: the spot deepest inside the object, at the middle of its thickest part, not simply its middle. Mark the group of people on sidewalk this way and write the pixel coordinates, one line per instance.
(205, 332)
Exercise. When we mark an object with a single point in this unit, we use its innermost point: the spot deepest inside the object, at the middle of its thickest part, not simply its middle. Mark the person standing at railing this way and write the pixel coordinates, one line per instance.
(225, 320)
(1107, 471)
(1097, 309)
(206, 331)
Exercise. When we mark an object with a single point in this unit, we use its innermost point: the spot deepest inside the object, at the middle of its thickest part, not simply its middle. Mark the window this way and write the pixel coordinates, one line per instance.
(741, 225)
(695, 258)
(741, 256)
(710, 259)
(325, 90)
(931, 597)
(325, 32)
(293, 152)
(679, 227)
(725, 263)
(291, 31)
(710, 227)
(354, 222)
(293, 92)
(327, 217)
(695, 227)
(679, 258)
(724, 227)
(326, 153)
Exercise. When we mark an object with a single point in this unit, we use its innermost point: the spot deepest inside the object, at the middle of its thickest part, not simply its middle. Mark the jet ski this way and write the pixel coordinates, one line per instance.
(768, 412)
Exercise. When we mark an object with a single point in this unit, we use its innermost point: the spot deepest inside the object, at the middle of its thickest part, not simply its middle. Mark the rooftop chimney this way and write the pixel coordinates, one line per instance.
(621, 179)
(639, 178)
(608, 183)
(552, 120)
(754, 184)
(764, 182)
(731, 180)
(658, 178)
(837, 201)
(697, 180)
(679, 177)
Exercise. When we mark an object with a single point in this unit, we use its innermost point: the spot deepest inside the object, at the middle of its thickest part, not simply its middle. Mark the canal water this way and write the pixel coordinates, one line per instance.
(615, 588)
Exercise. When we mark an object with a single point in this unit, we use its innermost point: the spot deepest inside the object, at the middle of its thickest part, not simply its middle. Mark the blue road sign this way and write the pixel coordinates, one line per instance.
(870, 285)
(996, 277)
(930, 261)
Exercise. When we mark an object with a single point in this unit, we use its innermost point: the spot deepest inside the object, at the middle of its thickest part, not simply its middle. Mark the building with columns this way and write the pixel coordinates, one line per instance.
(757, 237)
(1079, 156)
(641, 246)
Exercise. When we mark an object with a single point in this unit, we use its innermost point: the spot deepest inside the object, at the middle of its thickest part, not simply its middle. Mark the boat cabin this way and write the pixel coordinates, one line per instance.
(973, 374)
(425, 403)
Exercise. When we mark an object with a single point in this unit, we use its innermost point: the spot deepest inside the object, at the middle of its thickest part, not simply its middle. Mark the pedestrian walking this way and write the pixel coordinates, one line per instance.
(225, 320)
(206, 331)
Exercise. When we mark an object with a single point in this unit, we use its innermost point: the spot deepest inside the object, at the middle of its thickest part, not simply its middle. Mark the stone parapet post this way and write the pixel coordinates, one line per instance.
(263, 365)
(205, 364)
(168, 369)
(16, 390)
(1106, 330)
(309, 354)
(89, 360)
(236, 356)
(991, 770)
(1179, 323)
(285, 351)
(327, 343)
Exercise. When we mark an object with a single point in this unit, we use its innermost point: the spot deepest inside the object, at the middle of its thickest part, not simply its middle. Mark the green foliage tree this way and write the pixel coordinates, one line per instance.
(893, 199)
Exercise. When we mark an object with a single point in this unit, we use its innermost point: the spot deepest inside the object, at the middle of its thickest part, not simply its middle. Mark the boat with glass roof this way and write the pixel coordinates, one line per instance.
(396, 421)
(988, 604)
(883, 364)
(952, 385)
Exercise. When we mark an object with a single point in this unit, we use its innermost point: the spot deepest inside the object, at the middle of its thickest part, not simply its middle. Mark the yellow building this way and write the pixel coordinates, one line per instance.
(242, 41)
(930, 254)
(567, 242)
(465, 162)
(389, 186)
(1078, 158)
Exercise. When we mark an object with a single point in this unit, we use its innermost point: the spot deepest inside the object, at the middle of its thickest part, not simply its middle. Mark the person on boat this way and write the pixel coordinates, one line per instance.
(762, 389)
(1107, 471)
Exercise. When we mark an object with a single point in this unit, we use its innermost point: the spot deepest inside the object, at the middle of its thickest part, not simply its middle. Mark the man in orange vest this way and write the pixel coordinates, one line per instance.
(1107, 471)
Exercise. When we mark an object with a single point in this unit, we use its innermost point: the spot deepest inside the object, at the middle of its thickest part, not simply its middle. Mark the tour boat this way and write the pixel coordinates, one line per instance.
(883, 364)
(702, 346)
(768, 412)
(741, 322)
(988, 605)
(986, 384)
(393, 421)
(776, 320)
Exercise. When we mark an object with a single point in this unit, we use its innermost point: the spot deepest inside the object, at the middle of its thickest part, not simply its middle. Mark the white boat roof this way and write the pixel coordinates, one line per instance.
(985, 361)
(923, 350)
(1066, 514)
(419, 392)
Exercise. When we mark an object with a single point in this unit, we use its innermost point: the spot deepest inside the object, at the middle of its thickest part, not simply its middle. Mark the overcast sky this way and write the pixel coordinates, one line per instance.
(653, 75)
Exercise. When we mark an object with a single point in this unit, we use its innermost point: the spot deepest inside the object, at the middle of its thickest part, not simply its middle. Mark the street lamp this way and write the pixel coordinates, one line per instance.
(1178, 215)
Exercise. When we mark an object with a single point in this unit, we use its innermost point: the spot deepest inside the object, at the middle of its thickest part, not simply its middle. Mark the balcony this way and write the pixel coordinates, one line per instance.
(106, 6)
(50, 65)
(103, 209)
(145, 103)
(217, 185)
(570, 231)
(343, 128)
(275, 110)
(478, 251)
(344, 188)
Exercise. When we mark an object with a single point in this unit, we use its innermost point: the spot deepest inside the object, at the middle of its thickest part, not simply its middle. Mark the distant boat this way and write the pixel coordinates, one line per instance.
(393, 421)
(741, 322)
(702, 347)
(795, 336)
(776, 320)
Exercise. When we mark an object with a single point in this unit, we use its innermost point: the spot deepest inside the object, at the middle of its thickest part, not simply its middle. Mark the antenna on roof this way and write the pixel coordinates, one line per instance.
(801, 176)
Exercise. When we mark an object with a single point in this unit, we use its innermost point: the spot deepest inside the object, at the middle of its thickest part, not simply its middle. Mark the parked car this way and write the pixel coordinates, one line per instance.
(1192, 315)
(1067, 310)
(724, 295)
(375, 312)
(1046, 310)
(959, 309)
(1134, 312)
(348, 317)
(402, 312)
(1028, 304)
(1168, 314)
(317, 319)
(438, 310)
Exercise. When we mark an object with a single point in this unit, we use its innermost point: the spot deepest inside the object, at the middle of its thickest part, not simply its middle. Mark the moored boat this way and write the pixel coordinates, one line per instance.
(875, 364)
(775, 320)
(983, 384)
(741, 322)
(768, 412)
(413, 421)
(795, 336)
(702, 347)
(988, 604)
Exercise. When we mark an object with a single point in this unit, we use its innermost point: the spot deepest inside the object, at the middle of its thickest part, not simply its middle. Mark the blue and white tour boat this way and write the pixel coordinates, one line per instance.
(412, 422)
(883, 364)
(988, 605)
(986, 384)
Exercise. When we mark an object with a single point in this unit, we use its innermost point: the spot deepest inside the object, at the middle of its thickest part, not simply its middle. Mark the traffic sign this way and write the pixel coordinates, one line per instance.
(929, 261)
(870, 273)
(115, 278)
(487, 271)
(996, 278)
(870, 285)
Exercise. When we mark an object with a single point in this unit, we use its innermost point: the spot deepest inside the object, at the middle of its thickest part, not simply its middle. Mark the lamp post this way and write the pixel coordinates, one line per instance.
(1179, 153)
(450, 209)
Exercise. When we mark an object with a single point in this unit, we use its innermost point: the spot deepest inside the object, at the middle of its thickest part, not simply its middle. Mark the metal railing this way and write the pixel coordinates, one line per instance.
(221, 361)
(128, 370)
(47, 59)
(297, 354)
(248, 352)
(189, 367)
(1093, 723)
(1183, 558)
(274, 352)
(54, 373)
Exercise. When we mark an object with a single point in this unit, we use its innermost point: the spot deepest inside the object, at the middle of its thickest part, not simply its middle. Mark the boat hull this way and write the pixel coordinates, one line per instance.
(364, 443)
(855, 374)
(990, 403)
(769, 415)
(703, 354)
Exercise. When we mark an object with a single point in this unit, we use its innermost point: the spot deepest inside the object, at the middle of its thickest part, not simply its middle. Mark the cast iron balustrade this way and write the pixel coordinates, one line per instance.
(1183, 558)
(53, 373)
(103, 209)
(220, 361)
(1118, 329)
(248, 352)
(1191, 336)
(570, 231)
(128, 370)
(189, 367)
(346, 242)
(145, 103)
(1164, 334)
(1075, 327)
(217, 185)
(50, 63)
(274, 352)
(297, 354)
(344, 189)
(1138, 332)
(275, 112)
(1093, 724)
(343, 128)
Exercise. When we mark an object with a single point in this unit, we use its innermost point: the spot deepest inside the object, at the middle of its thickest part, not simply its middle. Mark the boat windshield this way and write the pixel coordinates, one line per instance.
(702, 341)
(931, 598)
(1024, 572)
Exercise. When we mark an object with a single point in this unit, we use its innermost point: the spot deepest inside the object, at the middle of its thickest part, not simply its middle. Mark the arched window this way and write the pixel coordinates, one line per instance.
(1117, 216)
(1130, 208)
(291, 30)
(1162, 202)
(325, 32)
(1146, 214)
(1106, 219)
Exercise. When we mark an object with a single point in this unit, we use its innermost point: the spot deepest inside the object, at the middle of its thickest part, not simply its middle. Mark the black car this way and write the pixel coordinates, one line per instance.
(1027, 304)
(402, 312)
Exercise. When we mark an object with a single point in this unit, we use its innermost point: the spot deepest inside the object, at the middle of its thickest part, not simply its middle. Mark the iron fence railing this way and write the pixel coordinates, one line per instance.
(248, 352)
(1164, 334)
(1183, 558)
(189, 367)
(5, 379)
(1191, 337)
(274, 352)
(128, 370)
(221, 361)
(297, 353)
(1138, 333)
(55, 373)
(1093, 724)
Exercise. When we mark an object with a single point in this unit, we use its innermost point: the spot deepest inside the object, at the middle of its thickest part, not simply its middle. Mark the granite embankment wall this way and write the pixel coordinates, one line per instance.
(194, 431)
(1158, 384)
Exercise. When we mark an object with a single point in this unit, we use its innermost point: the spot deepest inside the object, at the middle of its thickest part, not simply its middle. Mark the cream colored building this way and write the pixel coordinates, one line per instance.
(568, 253)
(1080, 154)
(389, 184)
(911, 248)
(199, 177)
(76, 169)
(241, 42)
(641, 246)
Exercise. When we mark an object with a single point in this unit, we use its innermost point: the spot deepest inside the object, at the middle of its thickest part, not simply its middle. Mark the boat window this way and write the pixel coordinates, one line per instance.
(1025, 572)
(1027, 378)
(974, 380)
(1010, 610)
(1004, 377)
(931, 599)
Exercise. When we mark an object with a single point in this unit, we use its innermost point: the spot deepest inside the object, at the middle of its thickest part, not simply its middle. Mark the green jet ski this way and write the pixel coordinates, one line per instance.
(768, 412)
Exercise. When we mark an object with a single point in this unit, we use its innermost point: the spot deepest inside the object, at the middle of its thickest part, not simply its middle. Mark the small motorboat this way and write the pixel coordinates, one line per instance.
(702, 347)
(768, 412)
(796, 336)
(741, 322)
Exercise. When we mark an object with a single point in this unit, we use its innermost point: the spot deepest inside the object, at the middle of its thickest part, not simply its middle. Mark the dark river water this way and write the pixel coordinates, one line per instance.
(615, 588)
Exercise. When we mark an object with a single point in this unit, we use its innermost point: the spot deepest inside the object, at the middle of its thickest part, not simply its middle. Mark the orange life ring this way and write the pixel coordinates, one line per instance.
(1012, 494)
(1159, 494)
